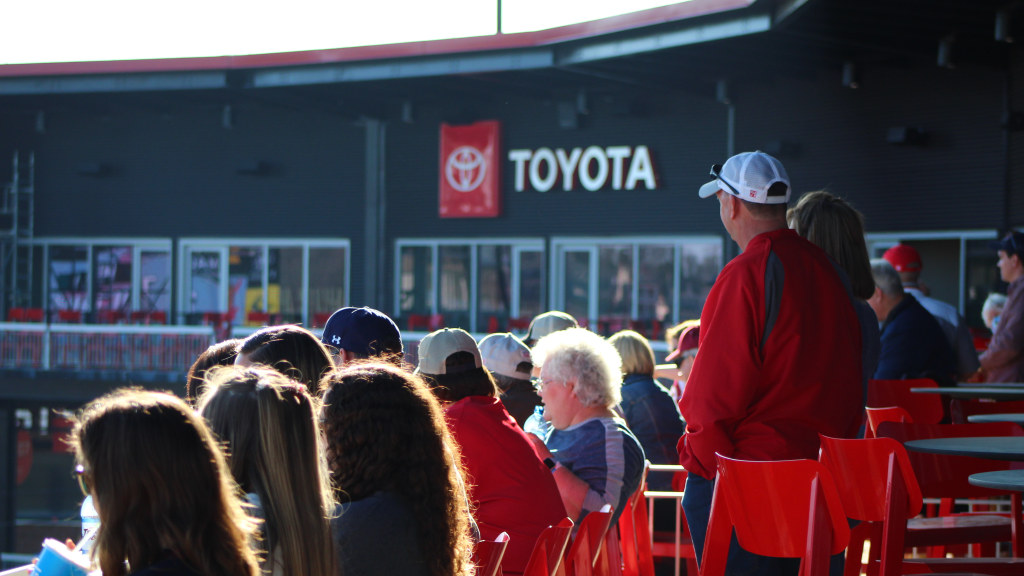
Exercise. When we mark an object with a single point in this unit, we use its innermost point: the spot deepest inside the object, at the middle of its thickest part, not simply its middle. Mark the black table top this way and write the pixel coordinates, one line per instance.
(993, 392)
(993, 448)
(1015, 417)
(999, 479)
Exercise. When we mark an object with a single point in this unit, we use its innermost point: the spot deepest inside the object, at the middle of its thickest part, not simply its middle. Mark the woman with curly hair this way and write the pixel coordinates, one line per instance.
(270, 426)
(291, 350)
(162, 489)
(397, 475)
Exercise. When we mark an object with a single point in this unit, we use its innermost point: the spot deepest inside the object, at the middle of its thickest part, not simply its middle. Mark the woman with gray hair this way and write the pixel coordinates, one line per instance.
(593, 456)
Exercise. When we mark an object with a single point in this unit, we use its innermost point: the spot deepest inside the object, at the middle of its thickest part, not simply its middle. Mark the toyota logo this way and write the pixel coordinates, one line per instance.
(465, 168)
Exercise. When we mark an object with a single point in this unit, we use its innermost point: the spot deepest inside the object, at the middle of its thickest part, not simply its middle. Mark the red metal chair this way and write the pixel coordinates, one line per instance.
(876, 416)
(34, 314)
(69, 316)
(587, 550)
(15, 314)
(923, 408)
(640, 547)
(877, 485)
(256, 318)
(784, 509)
(546, 558)
(487, 555)
(945, 477)
(109, 316)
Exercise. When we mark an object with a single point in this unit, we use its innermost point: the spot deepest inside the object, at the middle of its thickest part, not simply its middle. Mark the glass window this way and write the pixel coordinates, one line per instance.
(615, 284)
(576, 289)
(453, 285)
(154, 281)
(494, 285)
(327, 280)
(531, 283)
(656, 269)
(245, 282)
(203, 288)
(982, 278)
(284, 289)
(700, 263)
(68, 278)
(416, 295)
(112, 278)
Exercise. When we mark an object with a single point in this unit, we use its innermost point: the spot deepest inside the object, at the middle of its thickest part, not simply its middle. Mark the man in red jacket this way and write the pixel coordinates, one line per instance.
(779, 357)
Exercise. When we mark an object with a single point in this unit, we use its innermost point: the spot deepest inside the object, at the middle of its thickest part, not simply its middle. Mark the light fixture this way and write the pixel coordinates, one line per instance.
(945, 56)
(722, 92)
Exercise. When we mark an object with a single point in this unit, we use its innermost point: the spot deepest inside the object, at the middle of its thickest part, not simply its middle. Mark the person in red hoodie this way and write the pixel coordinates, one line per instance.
(510, 488)
(780, 348)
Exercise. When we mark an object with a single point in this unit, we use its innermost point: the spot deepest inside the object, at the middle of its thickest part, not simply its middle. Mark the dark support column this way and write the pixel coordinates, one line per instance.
(8, 467)
(374, 253)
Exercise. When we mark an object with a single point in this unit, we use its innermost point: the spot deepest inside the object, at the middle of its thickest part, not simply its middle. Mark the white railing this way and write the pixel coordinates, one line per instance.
(35, 346)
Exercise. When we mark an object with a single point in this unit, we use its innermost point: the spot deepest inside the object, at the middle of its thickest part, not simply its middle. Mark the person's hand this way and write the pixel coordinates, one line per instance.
(539, 447)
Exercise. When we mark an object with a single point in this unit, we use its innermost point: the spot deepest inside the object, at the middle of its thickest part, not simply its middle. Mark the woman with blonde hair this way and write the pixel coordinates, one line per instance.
(270, 426)
(397, 474)
(165, 498)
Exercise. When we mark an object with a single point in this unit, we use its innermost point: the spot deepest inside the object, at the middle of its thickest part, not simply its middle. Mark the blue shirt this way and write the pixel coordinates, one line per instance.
(913, 345)
(654, 419)
(603, 453)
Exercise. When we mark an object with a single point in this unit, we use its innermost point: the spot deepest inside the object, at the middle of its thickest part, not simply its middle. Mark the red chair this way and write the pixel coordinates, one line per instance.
(487, 555)
(15, 314)
(69, 316)
(109, 316)
(34, 314)
(923, 408)
(945, 477)
(418, 322)
(320, 319)
(521, 323)
(256, 318)
(876, 416)
(639, 546)
(585, 553)
(877, 485)
(546, 558)
(784, 509)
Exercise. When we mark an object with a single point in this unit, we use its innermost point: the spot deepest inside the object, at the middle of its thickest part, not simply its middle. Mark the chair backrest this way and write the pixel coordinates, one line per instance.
(785, 509)
(15, 314)
(34, 314)
(876, 484)
(487, 555)
(634, 535)
(876, 416)
(923, 408)
(546, 558)
(960, 409)
(587, 545)
(943, 476)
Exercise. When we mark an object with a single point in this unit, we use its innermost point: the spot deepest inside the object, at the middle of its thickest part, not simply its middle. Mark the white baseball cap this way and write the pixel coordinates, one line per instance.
(752, 176)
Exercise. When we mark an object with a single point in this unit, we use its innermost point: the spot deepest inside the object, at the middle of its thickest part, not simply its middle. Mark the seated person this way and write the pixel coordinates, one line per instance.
(510, 488)
(913, 344)
(507, 358)
(649, 410)
(597, 460)
(396, 473)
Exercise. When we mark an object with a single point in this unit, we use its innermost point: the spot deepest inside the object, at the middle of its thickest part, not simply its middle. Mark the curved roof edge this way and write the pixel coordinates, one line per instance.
(574, 32)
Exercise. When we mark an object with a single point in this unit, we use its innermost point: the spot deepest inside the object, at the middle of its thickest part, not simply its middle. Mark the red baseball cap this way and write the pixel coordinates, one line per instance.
(903, 258)
(688, 340)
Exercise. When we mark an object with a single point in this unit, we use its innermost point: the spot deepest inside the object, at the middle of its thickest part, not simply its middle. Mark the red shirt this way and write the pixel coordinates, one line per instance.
(770, 404)
(511, 488)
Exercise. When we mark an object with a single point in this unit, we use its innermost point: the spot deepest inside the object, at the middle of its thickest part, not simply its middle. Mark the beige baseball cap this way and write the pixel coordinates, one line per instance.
(436, 347)
(503, 353)
(547, 323)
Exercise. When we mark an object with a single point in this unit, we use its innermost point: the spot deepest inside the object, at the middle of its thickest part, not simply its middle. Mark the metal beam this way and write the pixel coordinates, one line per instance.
(113, 83)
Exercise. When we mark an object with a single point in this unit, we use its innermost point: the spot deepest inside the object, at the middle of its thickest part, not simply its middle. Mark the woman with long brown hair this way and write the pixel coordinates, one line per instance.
(270, 426)
(397, 475)
(165, 498)
(291, 350)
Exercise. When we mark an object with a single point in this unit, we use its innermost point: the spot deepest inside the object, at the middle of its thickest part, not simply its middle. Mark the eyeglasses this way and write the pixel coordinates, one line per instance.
(83, 480)
(716, 171)
(539, 384)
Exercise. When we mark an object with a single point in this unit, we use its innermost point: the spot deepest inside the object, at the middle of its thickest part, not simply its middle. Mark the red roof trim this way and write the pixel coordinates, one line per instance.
(652, 17)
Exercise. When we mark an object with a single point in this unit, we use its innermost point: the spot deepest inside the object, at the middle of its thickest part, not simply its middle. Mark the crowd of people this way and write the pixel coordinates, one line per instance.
(297, 454)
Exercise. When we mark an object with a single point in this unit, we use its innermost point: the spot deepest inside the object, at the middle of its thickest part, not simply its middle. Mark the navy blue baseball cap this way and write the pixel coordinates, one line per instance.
(1012, 243)
(364, 331)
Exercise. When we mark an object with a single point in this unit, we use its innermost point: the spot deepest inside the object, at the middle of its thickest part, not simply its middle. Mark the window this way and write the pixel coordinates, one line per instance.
(477, 285)
(646, 284)
(252, 282)
(104, 280)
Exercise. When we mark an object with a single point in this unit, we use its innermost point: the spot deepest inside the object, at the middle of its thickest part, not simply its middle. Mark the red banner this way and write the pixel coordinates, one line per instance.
(469, 183)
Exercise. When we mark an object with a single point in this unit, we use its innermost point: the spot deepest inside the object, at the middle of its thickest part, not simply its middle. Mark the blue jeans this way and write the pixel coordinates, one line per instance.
(697, 507)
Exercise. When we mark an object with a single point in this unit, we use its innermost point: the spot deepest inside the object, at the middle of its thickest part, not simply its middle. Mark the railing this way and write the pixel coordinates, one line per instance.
(33, 346)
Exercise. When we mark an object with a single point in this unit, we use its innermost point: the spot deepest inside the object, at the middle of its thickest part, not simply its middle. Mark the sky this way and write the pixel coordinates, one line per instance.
(79, 30)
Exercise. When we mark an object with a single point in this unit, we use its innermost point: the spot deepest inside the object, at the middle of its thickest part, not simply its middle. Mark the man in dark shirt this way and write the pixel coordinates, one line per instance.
(1003, 361)
(913, 344)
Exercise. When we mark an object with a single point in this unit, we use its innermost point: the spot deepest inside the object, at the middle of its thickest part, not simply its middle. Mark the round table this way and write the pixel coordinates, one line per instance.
(1015, 417)
(992, 392)
(999, 480)
(991, 447)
